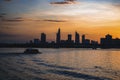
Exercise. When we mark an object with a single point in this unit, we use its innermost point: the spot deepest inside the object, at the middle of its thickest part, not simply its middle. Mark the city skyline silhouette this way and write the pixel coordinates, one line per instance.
(80, 41)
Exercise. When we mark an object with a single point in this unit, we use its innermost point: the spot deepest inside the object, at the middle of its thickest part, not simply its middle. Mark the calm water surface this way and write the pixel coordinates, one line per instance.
(60, 64)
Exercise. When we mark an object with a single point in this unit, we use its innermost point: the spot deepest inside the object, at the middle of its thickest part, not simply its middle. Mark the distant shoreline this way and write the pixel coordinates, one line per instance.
(27, 45)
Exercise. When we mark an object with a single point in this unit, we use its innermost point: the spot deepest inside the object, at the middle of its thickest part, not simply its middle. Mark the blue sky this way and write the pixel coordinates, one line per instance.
(18, 7)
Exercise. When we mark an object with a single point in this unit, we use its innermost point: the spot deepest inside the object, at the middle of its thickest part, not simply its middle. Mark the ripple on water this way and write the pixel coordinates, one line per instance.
(77, 75)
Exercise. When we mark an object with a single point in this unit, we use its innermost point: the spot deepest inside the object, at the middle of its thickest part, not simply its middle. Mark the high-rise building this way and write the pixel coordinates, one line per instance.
(43, 38)
(77, 39)
(69, 37)
(58, 36)
(83, 39)
(108, 42)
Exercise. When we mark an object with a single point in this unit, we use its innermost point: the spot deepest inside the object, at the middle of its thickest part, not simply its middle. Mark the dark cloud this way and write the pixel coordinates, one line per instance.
(64, 2)
(7, 0)
(70, 0)
(17, 19)
(2, 15)
(13, 20)
(60, 2)
(54, 20)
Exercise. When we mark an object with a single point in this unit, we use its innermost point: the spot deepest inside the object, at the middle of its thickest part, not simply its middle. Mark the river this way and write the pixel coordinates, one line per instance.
(60, 64)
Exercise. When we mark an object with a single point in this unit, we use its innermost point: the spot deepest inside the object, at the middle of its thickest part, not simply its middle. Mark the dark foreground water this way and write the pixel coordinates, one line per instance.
(60, 64)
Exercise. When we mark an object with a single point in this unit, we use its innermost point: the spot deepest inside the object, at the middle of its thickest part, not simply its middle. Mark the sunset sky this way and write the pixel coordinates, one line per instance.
(24, 20)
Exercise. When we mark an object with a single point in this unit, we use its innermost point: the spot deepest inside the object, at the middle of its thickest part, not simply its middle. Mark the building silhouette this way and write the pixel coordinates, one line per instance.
(83, 39)
(109, 42)
(58, 36)
(108, 37)
(94, 42)
(77, 38)
(36, 41)
(43, 38)
(69, 42)
(87, 41)
(69, 37)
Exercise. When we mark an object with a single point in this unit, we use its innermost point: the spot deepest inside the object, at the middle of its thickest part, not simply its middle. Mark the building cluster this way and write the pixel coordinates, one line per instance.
(78, 42)
(38, 41)
(68, 42)
(109, 42)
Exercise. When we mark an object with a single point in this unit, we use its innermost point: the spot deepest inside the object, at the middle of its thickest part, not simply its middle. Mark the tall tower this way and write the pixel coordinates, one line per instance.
(43, 37)
(69, 37)
(77, 39)
(58, 36)
(83, 39)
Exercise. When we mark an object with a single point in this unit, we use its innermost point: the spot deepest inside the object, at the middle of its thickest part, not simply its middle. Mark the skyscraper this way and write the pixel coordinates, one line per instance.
(58, 36)
(43, 38)
(69, 38)
(83, 39)
(77, 39)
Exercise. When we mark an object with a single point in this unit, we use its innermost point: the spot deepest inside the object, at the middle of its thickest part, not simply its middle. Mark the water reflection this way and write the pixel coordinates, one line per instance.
(61, 64)
(84, 58)
(95, 62)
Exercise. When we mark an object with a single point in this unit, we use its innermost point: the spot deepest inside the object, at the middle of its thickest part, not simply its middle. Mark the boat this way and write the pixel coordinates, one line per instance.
(31, 51)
